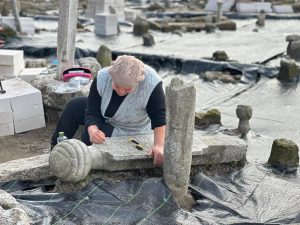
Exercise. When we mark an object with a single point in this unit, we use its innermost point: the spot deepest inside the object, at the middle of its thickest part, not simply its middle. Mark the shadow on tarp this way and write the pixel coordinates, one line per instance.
(250, 72)
(253, 195)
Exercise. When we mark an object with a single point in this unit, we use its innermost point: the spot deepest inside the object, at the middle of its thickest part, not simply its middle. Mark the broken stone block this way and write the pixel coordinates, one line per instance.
(284, 154)
(226, 25)
(32, 168)
(11, 212)
(36, 63)
(205, 119)
(289, 70)
(148, 40)
(104, 56)
(220, 56)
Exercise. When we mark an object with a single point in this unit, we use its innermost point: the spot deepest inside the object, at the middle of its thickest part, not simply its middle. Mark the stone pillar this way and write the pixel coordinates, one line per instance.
(16, 15)
(66, 35)
(180, 99)
(219, 10)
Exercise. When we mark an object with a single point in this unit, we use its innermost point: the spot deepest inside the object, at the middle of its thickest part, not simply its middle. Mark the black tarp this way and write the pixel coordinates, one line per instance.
(253, 195)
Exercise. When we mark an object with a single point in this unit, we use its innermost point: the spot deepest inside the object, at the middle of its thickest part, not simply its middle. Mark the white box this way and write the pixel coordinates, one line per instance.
(6, 129)
(244, 7)
(12, 71)
(283, 9)
(211, 5)
(106, 30)
(29, 124)
(11, 57)
(263, 6)
(106, 19)
(28, 74)
(6, 117)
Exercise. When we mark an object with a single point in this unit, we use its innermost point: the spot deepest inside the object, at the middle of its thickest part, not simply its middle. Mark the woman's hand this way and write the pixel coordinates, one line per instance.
(157, 151)
(96, 135)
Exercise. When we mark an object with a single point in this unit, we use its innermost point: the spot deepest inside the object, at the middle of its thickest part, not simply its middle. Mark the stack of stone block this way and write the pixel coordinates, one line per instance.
(11, 63)
(21, 107)
(106, 24)
(95, 7)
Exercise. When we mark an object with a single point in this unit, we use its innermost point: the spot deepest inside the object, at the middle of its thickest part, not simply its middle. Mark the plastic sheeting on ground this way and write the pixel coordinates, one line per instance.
(253, 195)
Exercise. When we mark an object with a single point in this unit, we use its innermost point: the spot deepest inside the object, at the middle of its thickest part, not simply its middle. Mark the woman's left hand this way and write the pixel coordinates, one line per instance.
(157, 152)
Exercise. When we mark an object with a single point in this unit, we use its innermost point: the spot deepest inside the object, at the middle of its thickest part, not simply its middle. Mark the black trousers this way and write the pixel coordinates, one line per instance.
(70, 119)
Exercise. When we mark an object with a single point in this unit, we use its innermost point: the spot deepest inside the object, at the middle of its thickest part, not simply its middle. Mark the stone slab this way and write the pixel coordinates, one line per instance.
(211, 5)
(222, 147)
(28, 74)
(11, 57)
(33, 168)
(283, 9)
(29, 124)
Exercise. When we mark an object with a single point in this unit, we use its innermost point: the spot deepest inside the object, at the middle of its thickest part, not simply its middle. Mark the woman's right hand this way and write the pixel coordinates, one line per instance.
(96, 135)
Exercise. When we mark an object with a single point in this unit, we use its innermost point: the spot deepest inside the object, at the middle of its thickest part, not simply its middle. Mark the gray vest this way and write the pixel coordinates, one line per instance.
(131, 118)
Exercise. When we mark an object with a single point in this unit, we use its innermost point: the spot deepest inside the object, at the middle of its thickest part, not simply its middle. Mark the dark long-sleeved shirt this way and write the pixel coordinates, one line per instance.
(156, 108)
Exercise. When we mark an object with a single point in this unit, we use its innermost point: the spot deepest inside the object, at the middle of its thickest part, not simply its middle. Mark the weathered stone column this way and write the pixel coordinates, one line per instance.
(66, 35)
(219, 10)
(180, 98)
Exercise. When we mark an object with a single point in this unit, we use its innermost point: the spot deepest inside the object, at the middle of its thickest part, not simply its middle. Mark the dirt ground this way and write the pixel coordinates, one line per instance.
(26, 144)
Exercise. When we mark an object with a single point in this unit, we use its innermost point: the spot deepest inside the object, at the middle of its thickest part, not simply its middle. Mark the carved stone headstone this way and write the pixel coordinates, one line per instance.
(140, 26)
(66, 35)
(289, 70)
(148, 40)
(104, 56)
(181, 98)
(293, 48)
